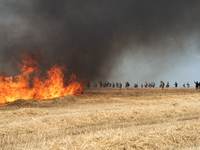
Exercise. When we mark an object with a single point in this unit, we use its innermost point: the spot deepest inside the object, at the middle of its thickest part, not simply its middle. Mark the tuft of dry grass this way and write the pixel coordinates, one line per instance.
(23, 112)
(21, 103)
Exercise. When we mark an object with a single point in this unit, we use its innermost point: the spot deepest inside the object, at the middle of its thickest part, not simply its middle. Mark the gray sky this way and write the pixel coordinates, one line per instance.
(130, 40)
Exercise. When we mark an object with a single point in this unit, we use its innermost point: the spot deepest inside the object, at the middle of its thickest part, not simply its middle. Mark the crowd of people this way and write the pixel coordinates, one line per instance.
(145, 85)
(108, 84)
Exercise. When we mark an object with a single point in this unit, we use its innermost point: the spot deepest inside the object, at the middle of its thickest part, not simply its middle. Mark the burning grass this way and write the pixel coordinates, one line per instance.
(106, 119)
(50, 86)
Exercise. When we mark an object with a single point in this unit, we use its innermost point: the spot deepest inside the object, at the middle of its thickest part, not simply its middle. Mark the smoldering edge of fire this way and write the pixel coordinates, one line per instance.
(94, 37)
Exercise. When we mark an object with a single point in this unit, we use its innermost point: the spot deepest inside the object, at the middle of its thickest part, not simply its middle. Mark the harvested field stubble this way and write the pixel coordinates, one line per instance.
(22, 103)
(105, 119)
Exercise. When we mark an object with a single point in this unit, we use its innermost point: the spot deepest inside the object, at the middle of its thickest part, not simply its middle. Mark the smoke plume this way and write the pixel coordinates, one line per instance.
(92, 37)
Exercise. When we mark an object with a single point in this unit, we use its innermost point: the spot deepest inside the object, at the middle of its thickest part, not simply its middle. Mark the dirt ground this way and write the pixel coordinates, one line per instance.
(105, 118)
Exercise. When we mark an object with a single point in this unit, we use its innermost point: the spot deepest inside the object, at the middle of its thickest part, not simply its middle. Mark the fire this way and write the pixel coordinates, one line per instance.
(20, 87)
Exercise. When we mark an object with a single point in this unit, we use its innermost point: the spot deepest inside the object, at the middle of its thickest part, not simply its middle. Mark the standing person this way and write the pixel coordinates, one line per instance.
(145, 84)
(120, 85)
(196, 84)
(127, 84)
(110, 85)
(167, 85)
(135, 85)
(117, 84)
(176, 84)
(107, 83)
(188, 84)
(141, 85)
(184, 85)
(113, 84)
(162, 84)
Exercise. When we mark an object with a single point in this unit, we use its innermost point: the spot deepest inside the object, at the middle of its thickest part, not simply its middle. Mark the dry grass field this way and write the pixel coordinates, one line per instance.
(104, 119)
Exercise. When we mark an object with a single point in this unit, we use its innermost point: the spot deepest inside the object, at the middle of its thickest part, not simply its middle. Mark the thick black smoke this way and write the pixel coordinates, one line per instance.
(87, 36)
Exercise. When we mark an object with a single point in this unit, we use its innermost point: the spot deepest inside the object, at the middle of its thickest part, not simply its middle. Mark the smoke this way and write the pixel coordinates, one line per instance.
(101, 39)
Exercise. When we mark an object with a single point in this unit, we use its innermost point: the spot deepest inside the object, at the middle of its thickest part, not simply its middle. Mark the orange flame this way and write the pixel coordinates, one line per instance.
(51, 87)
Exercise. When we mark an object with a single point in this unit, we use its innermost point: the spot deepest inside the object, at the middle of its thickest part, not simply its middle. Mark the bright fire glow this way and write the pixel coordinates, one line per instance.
(51, 87)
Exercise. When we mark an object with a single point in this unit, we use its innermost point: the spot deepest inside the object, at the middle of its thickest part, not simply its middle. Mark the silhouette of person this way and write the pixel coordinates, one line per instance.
(196, 84)
(176, 84)
(188, 84)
